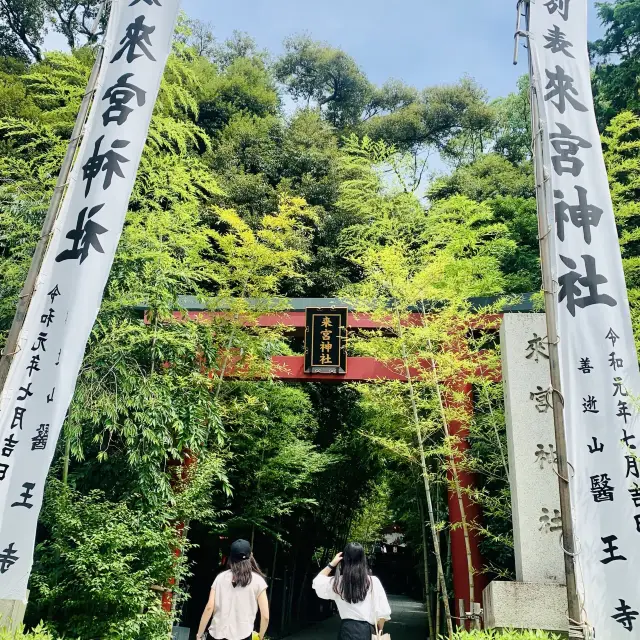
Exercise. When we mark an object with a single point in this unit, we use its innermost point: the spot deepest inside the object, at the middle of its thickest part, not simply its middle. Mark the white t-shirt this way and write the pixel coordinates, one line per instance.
(235, 607)
(365, 610)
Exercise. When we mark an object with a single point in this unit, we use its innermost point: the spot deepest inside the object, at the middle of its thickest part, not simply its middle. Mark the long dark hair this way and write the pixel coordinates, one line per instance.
(242, 571)
(352, 579)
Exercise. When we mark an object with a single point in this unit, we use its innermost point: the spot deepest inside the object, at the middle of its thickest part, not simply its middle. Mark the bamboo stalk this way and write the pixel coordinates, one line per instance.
(427, 486)
(425, 558)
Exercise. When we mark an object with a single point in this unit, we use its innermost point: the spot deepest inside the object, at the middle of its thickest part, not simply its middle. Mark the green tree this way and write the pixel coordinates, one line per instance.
(617, 60)
(621, 145)
(22, 24)
(327, 77)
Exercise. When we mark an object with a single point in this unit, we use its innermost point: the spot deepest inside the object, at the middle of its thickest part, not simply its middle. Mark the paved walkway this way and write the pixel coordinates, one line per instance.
(409, 622)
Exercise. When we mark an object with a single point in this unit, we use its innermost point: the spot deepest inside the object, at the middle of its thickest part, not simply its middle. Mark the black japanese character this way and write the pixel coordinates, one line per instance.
(557, 42)
(84, 236)
(543, 456)
(549, 524)
(47, 318)
(39, 442)
(561, 85)
(59, 354)
(3, 470)
(589, 405)
(149, 2)
(8, 558)
(627, 440)
(615, 363)
(9, 445)
(585, 365)
(626, 616)
(610, 550)
(561, 6)
(50, 396)
(18, 416)
(26, 496)
(635, 494)
(597, 447)
(567, 146)
(572, 293)
(120, 95)
(137, 36)
(583, 215)
(637, 519)
(541, 398)
(26, 392)
(537, 347)
(40, 342)
(623, 411)
(54, 293)
(619, 388)
(601, 490)
(613, 337)
(632, 467)
(34, 365)
(109, 162)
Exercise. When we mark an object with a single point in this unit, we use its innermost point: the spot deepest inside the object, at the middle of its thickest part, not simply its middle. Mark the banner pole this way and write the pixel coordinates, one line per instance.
(557, 400)
(11, 345)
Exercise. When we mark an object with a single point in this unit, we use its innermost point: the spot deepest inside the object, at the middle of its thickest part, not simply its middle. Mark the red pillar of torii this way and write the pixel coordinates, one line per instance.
(292, 369)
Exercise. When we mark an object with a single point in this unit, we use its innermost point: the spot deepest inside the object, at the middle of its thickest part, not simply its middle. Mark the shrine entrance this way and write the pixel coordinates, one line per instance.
(315, 328)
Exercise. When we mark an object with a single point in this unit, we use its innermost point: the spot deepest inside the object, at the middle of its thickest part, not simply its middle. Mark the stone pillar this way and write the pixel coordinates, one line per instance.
(531, 441)
(537, 599)
(12, 613)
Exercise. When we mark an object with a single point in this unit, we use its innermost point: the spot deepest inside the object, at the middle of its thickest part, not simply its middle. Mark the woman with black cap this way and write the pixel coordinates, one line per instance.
(359, 596)
(236, 596)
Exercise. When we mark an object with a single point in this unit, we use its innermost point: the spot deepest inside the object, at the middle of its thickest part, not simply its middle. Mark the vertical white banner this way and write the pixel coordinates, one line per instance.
(599, 367)
(69, 291)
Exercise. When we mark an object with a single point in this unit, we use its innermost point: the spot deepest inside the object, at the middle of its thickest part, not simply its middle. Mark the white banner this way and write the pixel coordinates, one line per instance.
(599, 366)
(69, 290)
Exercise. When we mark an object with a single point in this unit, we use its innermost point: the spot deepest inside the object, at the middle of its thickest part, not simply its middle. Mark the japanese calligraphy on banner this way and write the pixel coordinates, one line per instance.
(69, 290)
(599, 367)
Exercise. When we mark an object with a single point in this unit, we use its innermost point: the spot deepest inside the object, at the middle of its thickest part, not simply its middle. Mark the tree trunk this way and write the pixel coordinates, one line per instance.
(273, 573)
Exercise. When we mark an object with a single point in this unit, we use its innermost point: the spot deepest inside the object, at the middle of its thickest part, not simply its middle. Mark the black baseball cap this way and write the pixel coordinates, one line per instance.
(240, 550)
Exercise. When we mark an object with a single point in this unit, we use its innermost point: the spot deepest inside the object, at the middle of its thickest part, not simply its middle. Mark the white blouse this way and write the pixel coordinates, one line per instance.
(236, 607)
(374, 606)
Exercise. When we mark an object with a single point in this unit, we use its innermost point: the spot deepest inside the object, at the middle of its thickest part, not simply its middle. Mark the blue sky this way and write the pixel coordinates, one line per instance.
(423, 42)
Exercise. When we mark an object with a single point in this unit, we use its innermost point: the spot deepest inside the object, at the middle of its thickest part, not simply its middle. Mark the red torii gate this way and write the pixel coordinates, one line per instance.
(291, 369)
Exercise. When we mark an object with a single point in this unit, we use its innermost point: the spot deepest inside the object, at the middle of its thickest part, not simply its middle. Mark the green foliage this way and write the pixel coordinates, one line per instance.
(95, 570)
(621, 145)
(39, 633)
(314, 71)
(245, 86)
(22, 23)
(490, 176)
(617, 62)
(513, 119)
(505, 635)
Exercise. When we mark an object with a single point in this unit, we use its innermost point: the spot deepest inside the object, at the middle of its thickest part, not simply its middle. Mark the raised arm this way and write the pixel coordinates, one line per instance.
(209, 610)
(263, 605)
(322, 582)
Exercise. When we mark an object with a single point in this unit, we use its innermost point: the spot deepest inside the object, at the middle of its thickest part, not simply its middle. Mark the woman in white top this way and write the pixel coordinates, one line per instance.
(236, 596)
(362, 602)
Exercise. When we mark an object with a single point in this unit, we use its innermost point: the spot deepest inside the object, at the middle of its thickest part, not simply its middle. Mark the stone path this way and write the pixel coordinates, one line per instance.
(409, 622)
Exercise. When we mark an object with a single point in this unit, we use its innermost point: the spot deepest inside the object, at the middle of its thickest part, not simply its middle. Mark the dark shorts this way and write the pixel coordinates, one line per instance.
(355, 630)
